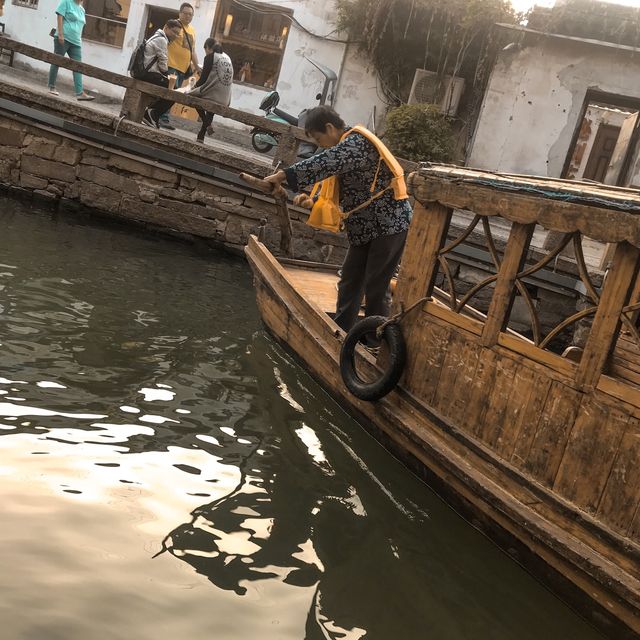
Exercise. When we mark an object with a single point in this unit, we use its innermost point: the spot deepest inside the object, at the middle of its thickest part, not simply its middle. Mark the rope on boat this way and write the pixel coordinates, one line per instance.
(398, 317)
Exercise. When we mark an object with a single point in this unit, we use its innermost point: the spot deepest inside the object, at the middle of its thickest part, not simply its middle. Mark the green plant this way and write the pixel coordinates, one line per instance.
(419, 132)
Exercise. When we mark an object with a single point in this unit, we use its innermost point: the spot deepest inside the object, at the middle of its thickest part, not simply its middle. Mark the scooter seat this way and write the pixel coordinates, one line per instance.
(286, 117)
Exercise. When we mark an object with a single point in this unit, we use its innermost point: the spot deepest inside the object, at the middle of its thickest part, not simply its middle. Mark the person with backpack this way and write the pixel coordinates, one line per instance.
(183, 61)
(214, 83)
(361, 186)
(149, 63)
(67, 40)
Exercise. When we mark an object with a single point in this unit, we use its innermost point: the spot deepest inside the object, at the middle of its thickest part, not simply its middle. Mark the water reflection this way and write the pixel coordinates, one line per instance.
(167, 471)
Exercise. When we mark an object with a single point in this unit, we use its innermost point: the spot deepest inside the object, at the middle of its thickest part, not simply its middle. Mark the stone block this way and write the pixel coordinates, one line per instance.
(471, 275)
(94, 158)
(109, 179)
(134, 209)
(32, 182)
(176, 194)
(140, 169)
(11, 137)
(47, 169)
(99, 197)
(10, 154)
(55, 189)
(238, 231)
(67, 154)
(39, 147)
(208, 194)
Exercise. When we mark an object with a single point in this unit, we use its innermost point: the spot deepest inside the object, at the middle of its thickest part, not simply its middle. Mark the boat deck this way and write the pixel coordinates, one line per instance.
(316, 285)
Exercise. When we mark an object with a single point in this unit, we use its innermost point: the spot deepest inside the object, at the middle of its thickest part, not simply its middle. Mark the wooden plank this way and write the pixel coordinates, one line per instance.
(478, 404)
(622, 391)
(621, 495)
(590, 453)
(615, 294)
(419, 266)
(504, 293)
(495, 425)
(529, 351)
(458, 374)
(524, 406)
(552, 433)
(424, 360)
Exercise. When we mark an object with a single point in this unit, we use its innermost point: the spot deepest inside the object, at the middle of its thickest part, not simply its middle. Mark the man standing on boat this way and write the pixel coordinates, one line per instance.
(359, 174)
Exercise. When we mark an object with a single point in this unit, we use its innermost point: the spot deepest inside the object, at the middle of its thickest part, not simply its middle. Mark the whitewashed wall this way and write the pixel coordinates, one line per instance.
(298, 82)
(534, 100)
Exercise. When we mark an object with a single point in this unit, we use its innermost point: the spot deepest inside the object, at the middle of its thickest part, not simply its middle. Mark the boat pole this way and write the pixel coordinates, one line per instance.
(278, 193)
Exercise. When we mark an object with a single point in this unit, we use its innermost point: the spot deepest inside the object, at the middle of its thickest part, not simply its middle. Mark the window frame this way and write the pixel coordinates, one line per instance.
(225, 8)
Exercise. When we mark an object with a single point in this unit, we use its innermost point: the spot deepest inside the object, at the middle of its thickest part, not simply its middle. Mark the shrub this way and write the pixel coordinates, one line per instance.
(419, 132)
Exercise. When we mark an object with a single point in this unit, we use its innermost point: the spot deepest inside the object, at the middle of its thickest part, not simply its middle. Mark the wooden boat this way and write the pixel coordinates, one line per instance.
(540, 451)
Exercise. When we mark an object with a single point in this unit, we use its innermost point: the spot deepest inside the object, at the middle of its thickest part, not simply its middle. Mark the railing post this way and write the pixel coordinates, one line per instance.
(515, 255)
(287, 150)
(419, 266)
(134, 104)
(617, 288)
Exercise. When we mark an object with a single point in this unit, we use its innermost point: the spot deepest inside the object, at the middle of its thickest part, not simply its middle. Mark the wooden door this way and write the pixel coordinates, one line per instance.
(601, 153)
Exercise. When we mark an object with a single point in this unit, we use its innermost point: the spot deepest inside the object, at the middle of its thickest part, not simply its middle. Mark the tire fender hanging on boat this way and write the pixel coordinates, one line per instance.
(390, 334)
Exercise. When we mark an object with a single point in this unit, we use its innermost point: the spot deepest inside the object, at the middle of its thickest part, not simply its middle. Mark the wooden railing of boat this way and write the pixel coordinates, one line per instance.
(570, 425)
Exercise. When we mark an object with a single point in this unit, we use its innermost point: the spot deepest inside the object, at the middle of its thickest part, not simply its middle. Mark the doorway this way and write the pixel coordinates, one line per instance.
(156, 19)
(603, 146)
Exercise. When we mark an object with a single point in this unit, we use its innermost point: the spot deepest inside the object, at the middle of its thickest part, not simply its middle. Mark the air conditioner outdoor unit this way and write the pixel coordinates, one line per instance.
(425, 90)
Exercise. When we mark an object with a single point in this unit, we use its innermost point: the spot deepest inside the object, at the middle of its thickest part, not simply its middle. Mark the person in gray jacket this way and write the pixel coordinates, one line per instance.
(155, 61)
(214, 83)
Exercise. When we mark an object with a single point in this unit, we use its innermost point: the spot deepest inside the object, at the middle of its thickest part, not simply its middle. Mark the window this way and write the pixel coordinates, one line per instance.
(31, 4)
(254, 35)
(106, 21)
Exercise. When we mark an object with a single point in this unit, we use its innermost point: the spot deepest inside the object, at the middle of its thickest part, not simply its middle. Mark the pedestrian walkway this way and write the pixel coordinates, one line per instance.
(226, 139)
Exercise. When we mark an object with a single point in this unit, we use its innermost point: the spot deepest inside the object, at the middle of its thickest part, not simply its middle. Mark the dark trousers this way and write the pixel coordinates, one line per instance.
(367, 271)
(161, 105)
(207, 119)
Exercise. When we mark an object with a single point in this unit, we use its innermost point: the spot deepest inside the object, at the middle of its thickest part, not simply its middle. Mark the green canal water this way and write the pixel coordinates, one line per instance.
(167, 471)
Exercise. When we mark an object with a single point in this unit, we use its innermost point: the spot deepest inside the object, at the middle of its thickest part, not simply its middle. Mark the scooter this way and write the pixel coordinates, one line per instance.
(263, 141)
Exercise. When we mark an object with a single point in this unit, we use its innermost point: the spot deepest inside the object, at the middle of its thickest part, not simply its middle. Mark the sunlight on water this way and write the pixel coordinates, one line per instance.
(166, 471)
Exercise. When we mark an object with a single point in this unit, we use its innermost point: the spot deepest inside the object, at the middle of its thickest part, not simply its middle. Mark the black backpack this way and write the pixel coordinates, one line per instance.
(136, 66)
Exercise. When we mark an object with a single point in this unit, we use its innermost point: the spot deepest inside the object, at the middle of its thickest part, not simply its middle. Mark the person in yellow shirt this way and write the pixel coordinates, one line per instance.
(183, 60)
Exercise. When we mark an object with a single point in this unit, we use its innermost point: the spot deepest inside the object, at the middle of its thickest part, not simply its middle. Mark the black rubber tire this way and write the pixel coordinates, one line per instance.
(260, 148)
(392, 335)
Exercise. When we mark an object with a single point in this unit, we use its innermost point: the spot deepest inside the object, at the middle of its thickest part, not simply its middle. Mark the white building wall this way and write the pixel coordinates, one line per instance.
(298, 81)
(534, 100)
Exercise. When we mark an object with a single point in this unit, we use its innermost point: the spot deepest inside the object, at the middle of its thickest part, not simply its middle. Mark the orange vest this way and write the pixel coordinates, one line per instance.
(326, 213)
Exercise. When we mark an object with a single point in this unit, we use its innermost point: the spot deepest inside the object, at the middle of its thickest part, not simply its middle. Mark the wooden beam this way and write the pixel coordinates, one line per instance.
(504, 293)
(280, 196)
(596, 222)
(617, 288)
(419, 266)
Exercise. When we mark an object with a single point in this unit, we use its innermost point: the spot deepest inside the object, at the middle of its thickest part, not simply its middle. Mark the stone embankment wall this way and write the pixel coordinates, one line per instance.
(70, 173)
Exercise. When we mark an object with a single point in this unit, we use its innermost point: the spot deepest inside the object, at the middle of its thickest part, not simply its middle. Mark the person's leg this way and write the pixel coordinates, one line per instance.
(75, 53)
(203, 129)
(53, 70)
(351, 286)
(383, 259)
(164, 118)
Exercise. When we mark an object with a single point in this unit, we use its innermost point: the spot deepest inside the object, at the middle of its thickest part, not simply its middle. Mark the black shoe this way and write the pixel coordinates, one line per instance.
(199, 139)
(148, 119)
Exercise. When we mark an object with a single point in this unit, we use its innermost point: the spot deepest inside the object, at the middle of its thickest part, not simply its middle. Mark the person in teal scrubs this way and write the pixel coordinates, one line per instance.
(67, 40)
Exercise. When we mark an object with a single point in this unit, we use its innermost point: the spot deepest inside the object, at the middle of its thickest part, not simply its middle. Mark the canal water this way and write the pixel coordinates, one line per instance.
(167, 471)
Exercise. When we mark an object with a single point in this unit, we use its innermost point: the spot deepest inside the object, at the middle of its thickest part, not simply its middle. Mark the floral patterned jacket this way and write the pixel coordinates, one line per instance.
(355, 161)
